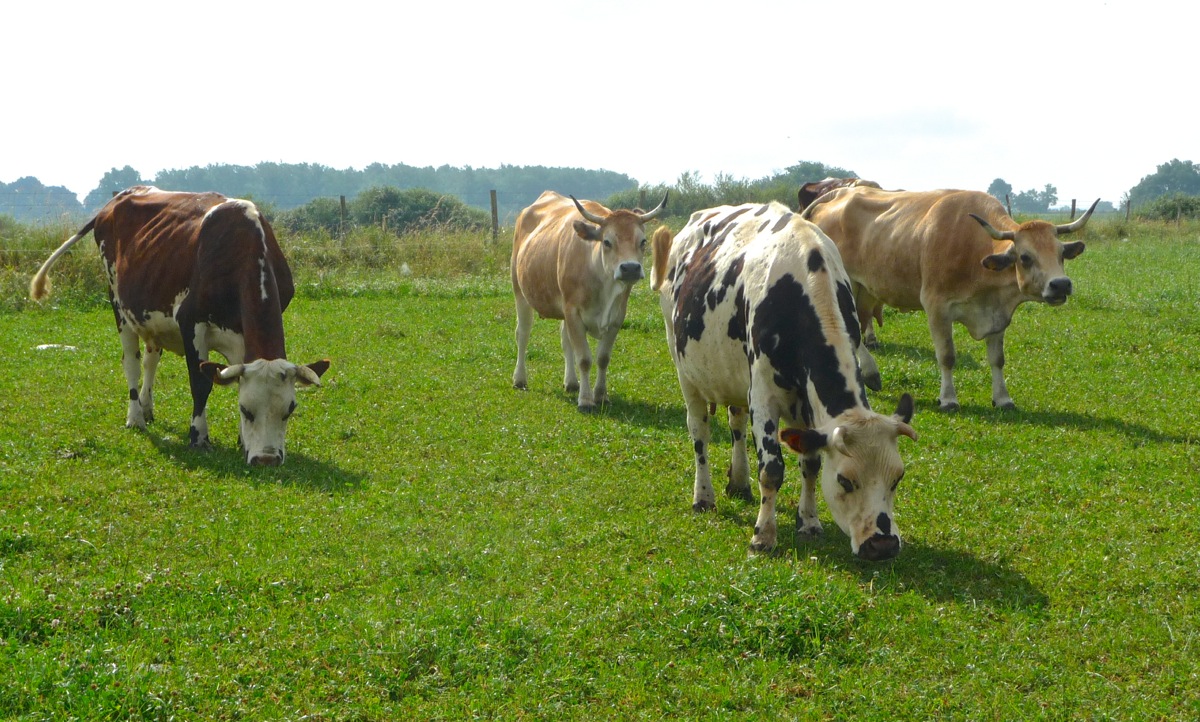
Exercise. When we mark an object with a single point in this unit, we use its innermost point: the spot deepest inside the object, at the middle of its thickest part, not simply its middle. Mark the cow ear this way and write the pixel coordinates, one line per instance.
(587, 231)
(904, 408)
(221, 374)
(1072, 249)
(999, 261)
(310, 375)
(804, 441)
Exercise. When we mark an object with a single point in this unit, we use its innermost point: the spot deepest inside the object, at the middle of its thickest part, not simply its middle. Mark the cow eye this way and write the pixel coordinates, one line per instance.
(246, 413)
(607, 243)
(1026, 260)
(847, 485)
(290, 411)
(896, 483)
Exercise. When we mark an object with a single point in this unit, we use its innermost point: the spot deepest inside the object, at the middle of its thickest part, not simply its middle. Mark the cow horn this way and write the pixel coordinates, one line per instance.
(598, 220)
(654, 213)
(998, 235)
(838, 440)
(1078, 223)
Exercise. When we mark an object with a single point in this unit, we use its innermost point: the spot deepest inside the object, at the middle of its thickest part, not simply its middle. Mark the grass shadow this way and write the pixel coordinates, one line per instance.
(1068, 419)
(298, 470)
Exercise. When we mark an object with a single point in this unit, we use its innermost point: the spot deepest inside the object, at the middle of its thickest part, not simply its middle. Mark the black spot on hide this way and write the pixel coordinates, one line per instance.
(782, 223)
(816, 261)
(788, 330)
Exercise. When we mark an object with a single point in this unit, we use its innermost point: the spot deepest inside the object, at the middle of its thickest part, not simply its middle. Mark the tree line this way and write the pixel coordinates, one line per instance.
(309, 195)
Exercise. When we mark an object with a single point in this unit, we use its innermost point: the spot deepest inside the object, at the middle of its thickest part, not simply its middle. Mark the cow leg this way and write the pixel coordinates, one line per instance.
(576, 351)
(942, 330)
(149, 371)
(770, 470)
(131, 364)
(870, 369)
(604, 347)
(524, 329)
(195, 350)
(703, 496)
(739, 466)
(570, 379)
(868, 307)
(995, 351)
(807, 522)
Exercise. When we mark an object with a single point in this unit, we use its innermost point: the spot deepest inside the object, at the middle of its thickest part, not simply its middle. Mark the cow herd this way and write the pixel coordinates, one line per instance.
(768, 312)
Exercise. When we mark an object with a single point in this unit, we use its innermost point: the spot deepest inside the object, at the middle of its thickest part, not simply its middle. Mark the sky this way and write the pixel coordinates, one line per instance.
(1087, 96)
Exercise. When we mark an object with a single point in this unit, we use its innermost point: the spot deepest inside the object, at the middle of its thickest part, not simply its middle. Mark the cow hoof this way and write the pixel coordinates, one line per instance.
(572, 388)
(762, 547)
(740, 492)
(586, 408)
(809, 530)
(520, 386)
(871, 343)
(952, 406)
(702, 506)
(1007, 405)
(873, 382)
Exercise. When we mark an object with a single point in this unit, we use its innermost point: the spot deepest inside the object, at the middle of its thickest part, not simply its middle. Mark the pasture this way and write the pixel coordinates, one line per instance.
(439, 545)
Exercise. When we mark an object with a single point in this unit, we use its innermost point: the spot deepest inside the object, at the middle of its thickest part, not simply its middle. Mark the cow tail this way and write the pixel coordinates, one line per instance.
(39, 287)
(662, 251)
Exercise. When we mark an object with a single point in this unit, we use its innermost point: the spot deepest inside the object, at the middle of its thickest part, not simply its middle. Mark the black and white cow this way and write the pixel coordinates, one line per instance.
(193, 273)
(760, 318)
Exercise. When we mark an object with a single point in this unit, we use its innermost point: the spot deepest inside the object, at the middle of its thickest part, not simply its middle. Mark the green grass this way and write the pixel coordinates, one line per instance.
(441, 546)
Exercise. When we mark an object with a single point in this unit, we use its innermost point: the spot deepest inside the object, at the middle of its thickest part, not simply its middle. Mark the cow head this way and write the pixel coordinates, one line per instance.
(622, 235)
(862, 471)
(1038, 256)
(266, 399)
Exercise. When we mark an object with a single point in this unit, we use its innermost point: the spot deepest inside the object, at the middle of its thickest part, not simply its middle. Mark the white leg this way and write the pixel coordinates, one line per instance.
(131, 365)
(150, 361)
(807, 522)
(942, 331)
(703, 496)
(524, 328)
(995, 351)
(575, 337)
(739, 464)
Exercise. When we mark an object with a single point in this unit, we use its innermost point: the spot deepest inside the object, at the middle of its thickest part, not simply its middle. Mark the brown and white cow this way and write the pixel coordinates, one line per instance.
(813, 190)
(194, 273)
(760, 319)
(577, 262)
(955, 254)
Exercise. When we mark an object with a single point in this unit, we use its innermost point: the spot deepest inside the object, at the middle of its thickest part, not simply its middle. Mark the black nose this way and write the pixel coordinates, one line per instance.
(879, 547)
(1059, 287)
(630, 271)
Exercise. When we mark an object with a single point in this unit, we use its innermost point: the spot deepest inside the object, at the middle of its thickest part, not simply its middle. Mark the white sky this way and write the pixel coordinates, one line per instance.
(1088, 96)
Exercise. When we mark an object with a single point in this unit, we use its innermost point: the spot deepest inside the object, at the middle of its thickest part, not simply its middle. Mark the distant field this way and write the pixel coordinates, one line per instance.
(441, 546)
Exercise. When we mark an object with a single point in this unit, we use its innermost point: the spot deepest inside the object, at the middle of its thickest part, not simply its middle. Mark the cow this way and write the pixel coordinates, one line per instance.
(813, 190)
(194, 273)
(577, 262)
(955, 254)
(760, 319)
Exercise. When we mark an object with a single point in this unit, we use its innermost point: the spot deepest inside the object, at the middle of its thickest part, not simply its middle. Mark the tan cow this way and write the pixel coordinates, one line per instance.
(577, 262)
(955, 254)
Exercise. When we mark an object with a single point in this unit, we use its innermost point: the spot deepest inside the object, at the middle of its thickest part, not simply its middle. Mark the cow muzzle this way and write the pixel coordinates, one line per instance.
(629, 272)
(1057, 291)
(266, 457)
(879, 547)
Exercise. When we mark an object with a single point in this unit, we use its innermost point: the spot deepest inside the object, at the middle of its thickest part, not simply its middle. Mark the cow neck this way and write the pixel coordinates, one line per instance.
(262, 319)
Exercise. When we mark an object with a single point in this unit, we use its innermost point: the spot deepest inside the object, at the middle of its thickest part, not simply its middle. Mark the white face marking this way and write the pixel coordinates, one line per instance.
(266, 399)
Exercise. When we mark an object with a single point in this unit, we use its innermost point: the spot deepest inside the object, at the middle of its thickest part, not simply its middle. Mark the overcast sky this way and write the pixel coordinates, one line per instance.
(1089, 96)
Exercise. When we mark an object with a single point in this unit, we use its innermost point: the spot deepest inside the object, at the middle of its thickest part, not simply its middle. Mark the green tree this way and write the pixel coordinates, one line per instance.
(1000, 189)
(113, 181)
(1035, 201)
(1171, 178)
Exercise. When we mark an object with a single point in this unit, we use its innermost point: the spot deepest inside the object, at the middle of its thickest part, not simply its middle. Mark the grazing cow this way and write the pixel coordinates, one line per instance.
(576, 262)
(957, 255)
(760, 319)
(194, 273)
(813, 190)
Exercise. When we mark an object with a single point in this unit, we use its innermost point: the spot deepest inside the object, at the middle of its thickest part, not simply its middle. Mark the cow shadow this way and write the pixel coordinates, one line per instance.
(941, 575)
(299, 471)
(1137, 433)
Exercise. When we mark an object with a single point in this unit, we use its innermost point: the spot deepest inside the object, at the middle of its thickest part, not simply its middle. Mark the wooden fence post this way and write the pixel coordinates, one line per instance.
(342, 219)
(495, 218)
(1072, 210)
(641, 198)
(1008, 203)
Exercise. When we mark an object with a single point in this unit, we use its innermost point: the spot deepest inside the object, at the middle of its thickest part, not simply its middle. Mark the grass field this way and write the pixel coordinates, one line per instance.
(441, 546)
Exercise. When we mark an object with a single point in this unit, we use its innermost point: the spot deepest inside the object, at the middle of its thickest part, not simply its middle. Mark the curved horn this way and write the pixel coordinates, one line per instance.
(598, 220)
(1078, 223)
(998, 235)
(654, 213)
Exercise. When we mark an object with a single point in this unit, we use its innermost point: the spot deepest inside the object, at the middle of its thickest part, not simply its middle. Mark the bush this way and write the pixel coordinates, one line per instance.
(1171, 208)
